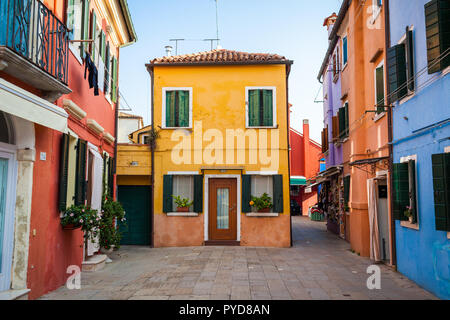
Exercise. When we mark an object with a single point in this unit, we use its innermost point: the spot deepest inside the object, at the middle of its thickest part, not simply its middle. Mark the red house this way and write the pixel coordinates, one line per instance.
(305, 156)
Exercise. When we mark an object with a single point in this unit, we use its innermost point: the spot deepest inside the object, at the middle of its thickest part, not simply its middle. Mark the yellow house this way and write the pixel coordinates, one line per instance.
(222, 119)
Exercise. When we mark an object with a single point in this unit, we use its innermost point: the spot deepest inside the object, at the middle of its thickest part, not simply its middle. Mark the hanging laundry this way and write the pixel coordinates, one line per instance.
(93, 73)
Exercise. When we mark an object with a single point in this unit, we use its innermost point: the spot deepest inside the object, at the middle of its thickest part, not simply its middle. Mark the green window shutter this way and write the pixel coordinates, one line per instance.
(342, 128)
(347, 122)
(345, 50)
(401, 190)
(347, 181)
(253, 108)
(71, 18)
(105, 175)
(167, 194)
(114, 80)
(278, 205)
(183, 109)
(412, 189)
(437, 21)
(198, 193)
(111, 177)
(170, 109)
(268, 108)
(63, 172)
(107, 68)
(379, 74)
(102, 45)
(93, 34)
(80, 186)
(410, 59)
(441, 184)
(246, 193)
(84, 27)
(396, 57)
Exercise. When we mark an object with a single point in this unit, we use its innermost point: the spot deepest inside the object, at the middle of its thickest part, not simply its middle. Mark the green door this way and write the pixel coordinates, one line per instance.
(3, 184)
(136, 202)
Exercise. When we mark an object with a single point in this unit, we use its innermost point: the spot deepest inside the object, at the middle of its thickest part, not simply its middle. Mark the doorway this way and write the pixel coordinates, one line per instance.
(383, 220)
(222, 210)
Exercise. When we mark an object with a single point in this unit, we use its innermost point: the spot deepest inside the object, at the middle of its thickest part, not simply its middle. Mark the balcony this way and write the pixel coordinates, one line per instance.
(34, 46)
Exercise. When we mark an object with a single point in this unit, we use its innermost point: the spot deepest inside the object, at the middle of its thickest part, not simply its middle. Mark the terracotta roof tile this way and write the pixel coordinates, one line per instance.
(220, 56)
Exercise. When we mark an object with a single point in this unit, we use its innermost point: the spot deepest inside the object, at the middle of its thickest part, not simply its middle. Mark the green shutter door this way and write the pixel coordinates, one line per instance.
(268, 108)
(410, 59)
(136, 201)
(342, 127)
(102, 45)
(401, 190)
(170, 109)
(93, 34)
(396, 57)
(111, 177)
(84, 27)
(246, 193)
(114, 80)
(253, 108)
(441, 183)
(380, 89)
(347, 122)
(80, 186)
(347, 181)
(437, 21)
(183, 109)
(198, 194)
(278, 205)
(107, 67)
(63, 172)
(167, 194)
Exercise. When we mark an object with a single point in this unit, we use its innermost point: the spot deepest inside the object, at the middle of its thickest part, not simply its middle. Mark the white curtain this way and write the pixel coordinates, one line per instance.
(183, 186)
(96, 196)
(372, 187)
(261, 185)
(101, 74)
(223, 206)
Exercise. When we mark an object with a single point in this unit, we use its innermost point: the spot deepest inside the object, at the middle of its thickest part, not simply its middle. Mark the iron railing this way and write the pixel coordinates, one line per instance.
(31, 30)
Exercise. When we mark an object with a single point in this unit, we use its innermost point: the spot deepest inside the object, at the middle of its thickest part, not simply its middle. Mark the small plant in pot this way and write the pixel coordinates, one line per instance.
(183, 204)
(81, 217)
(262, 204)
(110, 236)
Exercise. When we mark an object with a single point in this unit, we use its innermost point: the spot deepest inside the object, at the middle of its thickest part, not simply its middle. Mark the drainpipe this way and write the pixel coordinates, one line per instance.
(390, 138)
(152, 149)
(288, 71)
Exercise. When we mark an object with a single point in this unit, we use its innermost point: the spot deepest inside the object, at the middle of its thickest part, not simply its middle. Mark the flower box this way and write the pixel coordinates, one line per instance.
(71, 227)
(182, 209)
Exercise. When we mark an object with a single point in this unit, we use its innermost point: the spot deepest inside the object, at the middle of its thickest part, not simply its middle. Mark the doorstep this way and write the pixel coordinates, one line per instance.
(222, 243)
(94, 263)
(15, 294)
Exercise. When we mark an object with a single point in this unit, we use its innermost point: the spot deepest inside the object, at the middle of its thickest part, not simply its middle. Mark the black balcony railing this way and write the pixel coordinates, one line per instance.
(31, 30)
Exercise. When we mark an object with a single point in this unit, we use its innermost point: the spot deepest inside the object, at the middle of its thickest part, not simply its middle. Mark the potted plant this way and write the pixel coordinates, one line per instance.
(183, 204)
(409, 214)
(110, 236)
(262, 204)
(81, 217)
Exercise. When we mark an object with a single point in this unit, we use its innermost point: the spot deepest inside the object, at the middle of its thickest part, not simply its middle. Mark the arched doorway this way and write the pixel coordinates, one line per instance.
(8, 180)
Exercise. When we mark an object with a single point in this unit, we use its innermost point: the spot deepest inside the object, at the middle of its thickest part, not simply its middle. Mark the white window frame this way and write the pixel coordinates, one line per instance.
(163, 119)
(381, 64)
(182, 214)
(407, 224)
(274, 107)
(376, 10)
(265, 175)
(410, 94)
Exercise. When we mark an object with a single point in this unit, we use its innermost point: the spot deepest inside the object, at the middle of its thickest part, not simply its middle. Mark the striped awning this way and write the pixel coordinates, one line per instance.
(298, 181)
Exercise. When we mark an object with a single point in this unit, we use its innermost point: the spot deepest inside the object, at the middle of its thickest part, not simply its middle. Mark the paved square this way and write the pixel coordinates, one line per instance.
(319, 266)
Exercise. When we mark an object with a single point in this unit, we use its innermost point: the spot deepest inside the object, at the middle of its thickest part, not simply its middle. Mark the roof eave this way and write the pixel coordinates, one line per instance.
(129, 22)
(236, 63)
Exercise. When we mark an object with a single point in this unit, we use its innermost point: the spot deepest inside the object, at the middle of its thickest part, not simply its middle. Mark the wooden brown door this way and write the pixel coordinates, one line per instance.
(223, 209)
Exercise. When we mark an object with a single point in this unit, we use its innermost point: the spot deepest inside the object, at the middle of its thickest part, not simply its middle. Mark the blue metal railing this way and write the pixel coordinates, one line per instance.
(31, 30)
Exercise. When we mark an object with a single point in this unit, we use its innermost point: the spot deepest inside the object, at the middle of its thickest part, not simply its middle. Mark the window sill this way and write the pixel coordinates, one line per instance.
(409, 225)
(345, 67)
(262, 215)
(182, 214)
(446, 71)
(406, 99)
(379, 116)
(272, 127)
(175, 128)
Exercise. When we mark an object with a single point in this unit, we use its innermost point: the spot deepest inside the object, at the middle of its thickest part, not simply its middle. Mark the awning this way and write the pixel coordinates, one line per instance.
(324, 176)
(298, 181)
(368, 161)
(25, 105)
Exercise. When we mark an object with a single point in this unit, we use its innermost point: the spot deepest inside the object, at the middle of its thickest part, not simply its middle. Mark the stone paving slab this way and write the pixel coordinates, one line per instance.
(320, 266)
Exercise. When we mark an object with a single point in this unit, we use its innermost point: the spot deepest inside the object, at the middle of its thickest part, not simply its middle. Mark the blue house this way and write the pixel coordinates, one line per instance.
(419, 90)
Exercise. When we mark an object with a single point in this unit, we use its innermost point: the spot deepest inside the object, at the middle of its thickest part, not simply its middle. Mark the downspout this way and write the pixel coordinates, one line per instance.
(288, 71)
(390, 138)
(152, 149)
(116, 134)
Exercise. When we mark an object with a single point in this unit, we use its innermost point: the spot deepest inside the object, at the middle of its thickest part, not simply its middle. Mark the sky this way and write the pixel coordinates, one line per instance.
(292, 28)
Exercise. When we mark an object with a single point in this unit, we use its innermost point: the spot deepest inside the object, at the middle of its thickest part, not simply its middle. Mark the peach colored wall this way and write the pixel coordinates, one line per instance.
(265, 232)
(171, 231)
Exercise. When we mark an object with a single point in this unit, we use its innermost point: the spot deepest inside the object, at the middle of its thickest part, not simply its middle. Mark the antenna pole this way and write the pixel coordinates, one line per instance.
(217, 23)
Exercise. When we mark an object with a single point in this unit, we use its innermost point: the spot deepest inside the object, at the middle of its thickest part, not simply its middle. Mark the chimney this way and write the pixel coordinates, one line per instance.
(329, 22)
(168, 50)
(306, 149)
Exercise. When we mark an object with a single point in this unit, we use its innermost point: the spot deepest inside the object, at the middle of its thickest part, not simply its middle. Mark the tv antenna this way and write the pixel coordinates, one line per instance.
(217, 25)
(176, 44)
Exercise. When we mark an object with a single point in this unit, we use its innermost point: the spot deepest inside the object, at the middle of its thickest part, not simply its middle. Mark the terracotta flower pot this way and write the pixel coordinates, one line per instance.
(71, 227)
(185, 209)
(266, 210)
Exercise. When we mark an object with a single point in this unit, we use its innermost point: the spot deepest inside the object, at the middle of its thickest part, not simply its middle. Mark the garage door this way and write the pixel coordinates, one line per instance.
(136, 202)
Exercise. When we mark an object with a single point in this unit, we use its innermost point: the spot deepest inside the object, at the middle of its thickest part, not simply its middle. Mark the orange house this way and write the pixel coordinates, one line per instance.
(362, 126)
